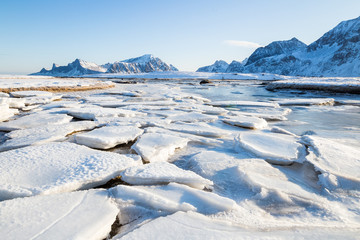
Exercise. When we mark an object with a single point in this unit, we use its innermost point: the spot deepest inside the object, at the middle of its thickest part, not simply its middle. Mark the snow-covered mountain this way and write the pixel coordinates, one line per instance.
(336, 53)
(76, 68)
(218, 66)
(145, 63)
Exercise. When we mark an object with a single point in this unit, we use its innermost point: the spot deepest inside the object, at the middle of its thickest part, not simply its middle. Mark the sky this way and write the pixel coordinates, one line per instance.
(186, 33)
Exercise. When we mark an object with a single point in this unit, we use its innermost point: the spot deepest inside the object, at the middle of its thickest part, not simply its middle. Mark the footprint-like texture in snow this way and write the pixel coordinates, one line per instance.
(58, 167)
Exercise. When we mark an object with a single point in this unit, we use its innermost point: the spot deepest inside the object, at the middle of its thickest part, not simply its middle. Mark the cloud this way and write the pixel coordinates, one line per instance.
(244, 44)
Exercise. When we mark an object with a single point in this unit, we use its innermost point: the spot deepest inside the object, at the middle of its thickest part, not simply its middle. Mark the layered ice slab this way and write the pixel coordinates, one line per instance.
(58, 167)
(306, 101)
(43, 134)
(91, 113)
(338, 163)
(108, 136)
(201, 129)
(273, 147)
(75, 215)
(162, 173)
(157, 147)
(192, 225)
(6, 112)
(243, 104)
(172, 198)
(22, 94)
(34, 120)
(246, 122)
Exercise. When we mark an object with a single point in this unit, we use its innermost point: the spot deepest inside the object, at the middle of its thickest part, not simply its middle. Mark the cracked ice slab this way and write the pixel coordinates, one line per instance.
(246, 122)
(306, 101)
(58, 167)
(75, 215)
(43, 134)
(156, 147)
(338, 163)
(35, 120)
(275, 148)
(163, 172)
(243, 104)
(108, 136)
(192, 225)
(172, 198)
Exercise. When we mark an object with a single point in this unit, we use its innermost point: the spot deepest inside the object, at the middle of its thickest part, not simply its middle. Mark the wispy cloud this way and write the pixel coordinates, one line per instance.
(244, 44)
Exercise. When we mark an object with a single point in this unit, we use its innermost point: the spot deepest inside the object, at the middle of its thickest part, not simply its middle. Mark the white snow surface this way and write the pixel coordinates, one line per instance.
(76, 215)
(156, 147)
(57, 167)
(338, 163)
(43, 134)
(163, 172)
(192, 225)
(108, 136)
(246, 122)
(35, 120)
(173, 197)
(274, 147)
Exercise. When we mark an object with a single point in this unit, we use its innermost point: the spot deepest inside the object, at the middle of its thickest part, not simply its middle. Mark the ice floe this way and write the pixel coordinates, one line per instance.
(76, 215)
(243, 104)
(43, 134)
(108, 136)
(192, 225)
(91, 113)
(35, 120)
(173, 197)
(306, 101)
(13, 102)
(200, 128)
(274, 147)
(246, 122)
(22, 94)
(6, 112)
(161, 173)
(58, 167)
(193, 117)
(339, 164)
(156, 147)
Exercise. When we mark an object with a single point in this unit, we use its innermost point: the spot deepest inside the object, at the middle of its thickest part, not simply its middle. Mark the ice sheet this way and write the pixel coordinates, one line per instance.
(161, 173)
(57, 167)
(76, 215)
(108, 136)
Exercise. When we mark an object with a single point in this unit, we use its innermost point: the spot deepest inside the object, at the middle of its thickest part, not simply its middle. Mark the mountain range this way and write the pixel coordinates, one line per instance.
(145, 63)
(336, 53)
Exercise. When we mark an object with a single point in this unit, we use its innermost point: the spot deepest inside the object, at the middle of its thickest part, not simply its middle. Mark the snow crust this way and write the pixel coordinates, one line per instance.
(155, 147)
(163, 172)
(246, 122)
(274, 147)
(173, 197)
(76, 215)
(35, 120)
(44, 169)
(108, 136)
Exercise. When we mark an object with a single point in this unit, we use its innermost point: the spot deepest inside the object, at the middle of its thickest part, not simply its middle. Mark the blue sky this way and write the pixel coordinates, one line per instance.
(185, 33)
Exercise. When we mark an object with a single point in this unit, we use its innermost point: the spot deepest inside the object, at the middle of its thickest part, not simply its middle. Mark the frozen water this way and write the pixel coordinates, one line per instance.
(306, 101)
(163, 172)
(57, 167)
(243, 104)
(35, 120)
(43, 134)
(274, 147)
(108, 136)
(22, 94)
(173, 197)
(338, 163)
(201, 129)
(246, 122)
(76, 215)
(156, 147)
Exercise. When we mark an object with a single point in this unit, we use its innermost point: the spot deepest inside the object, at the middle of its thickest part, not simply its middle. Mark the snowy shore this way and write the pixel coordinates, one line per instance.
(177, 159)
